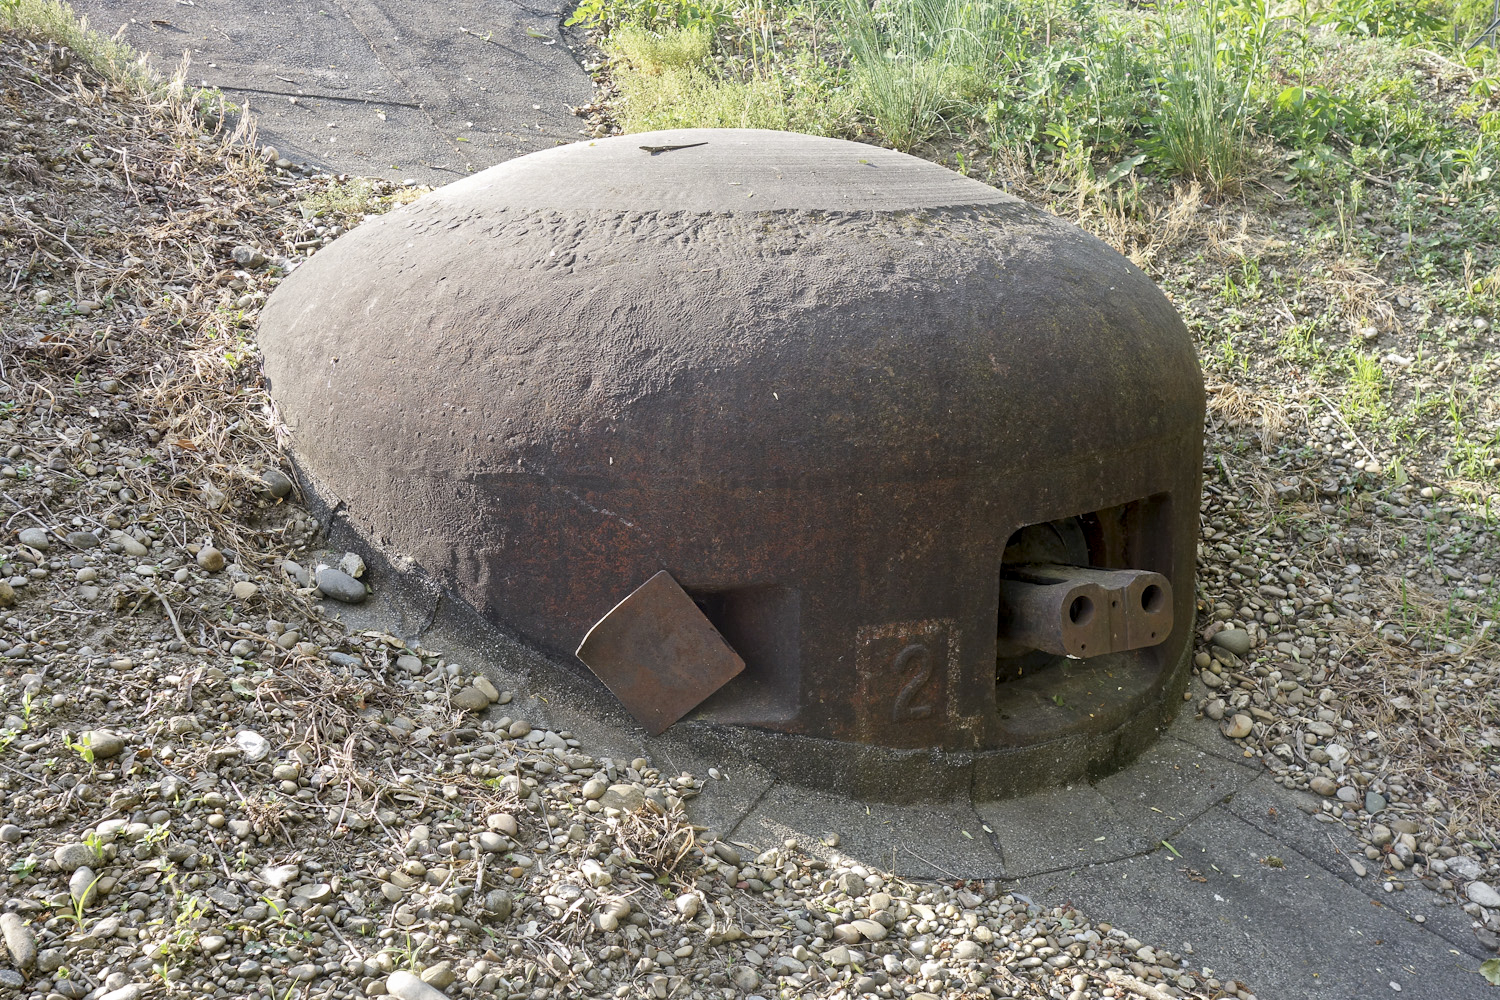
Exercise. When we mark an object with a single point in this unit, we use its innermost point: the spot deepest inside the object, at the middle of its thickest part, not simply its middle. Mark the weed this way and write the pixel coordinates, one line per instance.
(56, 22)
(649, 14)
(1202, 121)
(901, 54)
(652, 52)
(83, 749)
(1364, 398)
(79, 903)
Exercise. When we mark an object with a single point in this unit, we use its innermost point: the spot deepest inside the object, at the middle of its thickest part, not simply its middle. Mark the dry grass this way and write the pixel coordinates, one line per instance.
(55, 24)
(1442, 747)
(1237, 407)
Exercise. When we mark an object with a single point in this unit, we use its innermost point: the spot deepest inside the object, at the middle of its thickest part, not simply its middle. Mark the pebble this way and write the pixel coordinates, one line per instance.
(745, 978)
(10, 833)
(1374, 803)
(83, 886)
(1484, 894)
(210, 558)
(244, 590)
(83, 539)
(247, 256)
(19, 940)
(440, 975)
(968, 951)
(352, 565)
(626, 798)
(36, 538)
(252, 745)
(318, 892)
(105, 743)
(1238, 727)
(1323, 785)
(70, 857)
(1236, 640)
(471, 699)
(277, 483)
(405, 986)
(130, 991)
(7, 594)
(341, 587)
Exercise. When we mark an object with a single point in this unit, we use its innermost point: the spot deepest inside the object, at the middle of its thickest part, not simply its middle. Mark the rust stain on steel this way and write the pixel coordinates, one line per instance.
(833, 418)
(1084, 611)
(659, 654)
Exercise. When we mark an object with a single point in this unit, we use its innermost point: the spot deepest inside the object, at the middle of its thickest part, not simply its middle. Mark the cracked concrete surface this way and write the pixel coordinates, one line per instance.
(398, 89)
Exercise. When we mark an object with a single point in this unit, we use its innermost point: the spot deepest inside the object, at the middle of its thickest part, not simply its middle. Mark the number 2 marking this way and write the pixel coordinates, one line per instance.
(903, 710)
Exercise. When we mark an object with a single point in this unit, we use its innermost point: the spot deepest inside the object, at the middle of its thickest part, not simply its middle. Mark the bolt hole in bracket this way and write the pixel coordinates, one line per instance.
(1083, 611)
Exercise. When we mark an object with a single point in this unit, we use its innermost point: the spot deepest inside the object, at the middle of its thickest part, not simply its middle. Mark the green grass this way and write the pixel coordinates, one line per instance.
(668, 81)
(1090, 90)
(53, 21)
(1201, 124)
(652, 53)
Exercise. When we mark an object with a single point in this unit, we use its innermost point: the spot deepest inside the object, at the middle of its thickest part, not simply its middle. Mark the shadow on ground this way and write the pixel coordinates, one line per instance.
(1190, 845)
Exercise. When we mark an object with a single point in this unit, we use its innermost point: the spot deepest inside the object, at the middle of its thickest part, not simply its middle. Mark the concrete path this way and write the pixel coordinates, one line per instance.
(1191, 846)
(399, 88)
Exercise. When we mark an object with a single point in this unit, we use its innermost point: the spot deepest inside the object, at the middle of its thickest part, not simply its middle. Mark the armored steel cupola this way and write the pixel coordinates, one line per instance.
(791, 434)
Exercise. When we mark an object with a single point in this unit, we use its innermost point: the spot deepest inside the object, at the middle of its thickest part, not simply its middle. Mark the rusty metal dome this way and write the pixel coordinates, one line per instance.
(803, 436)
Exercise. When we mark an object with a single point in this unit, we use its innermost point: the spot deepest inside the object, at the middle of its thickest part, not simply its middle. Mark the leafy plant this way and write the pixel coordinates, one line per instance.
(83, 749)
(1407, 22)
(652, 15)
(79, 903)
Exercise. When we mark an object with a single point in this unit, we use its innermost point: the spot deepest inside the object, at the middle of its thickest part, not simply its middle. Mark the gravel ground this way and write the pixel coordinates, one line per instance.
(1328, 655)
(209, 788)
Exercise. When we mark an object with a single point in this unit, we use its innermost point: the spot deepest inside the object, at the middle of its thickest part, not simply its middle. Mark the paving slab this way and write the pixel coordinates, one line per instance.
(1293, 819)
(399, 89)
(1171, 784)
(1059, 830)
(940, 840)
(1250, 906)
